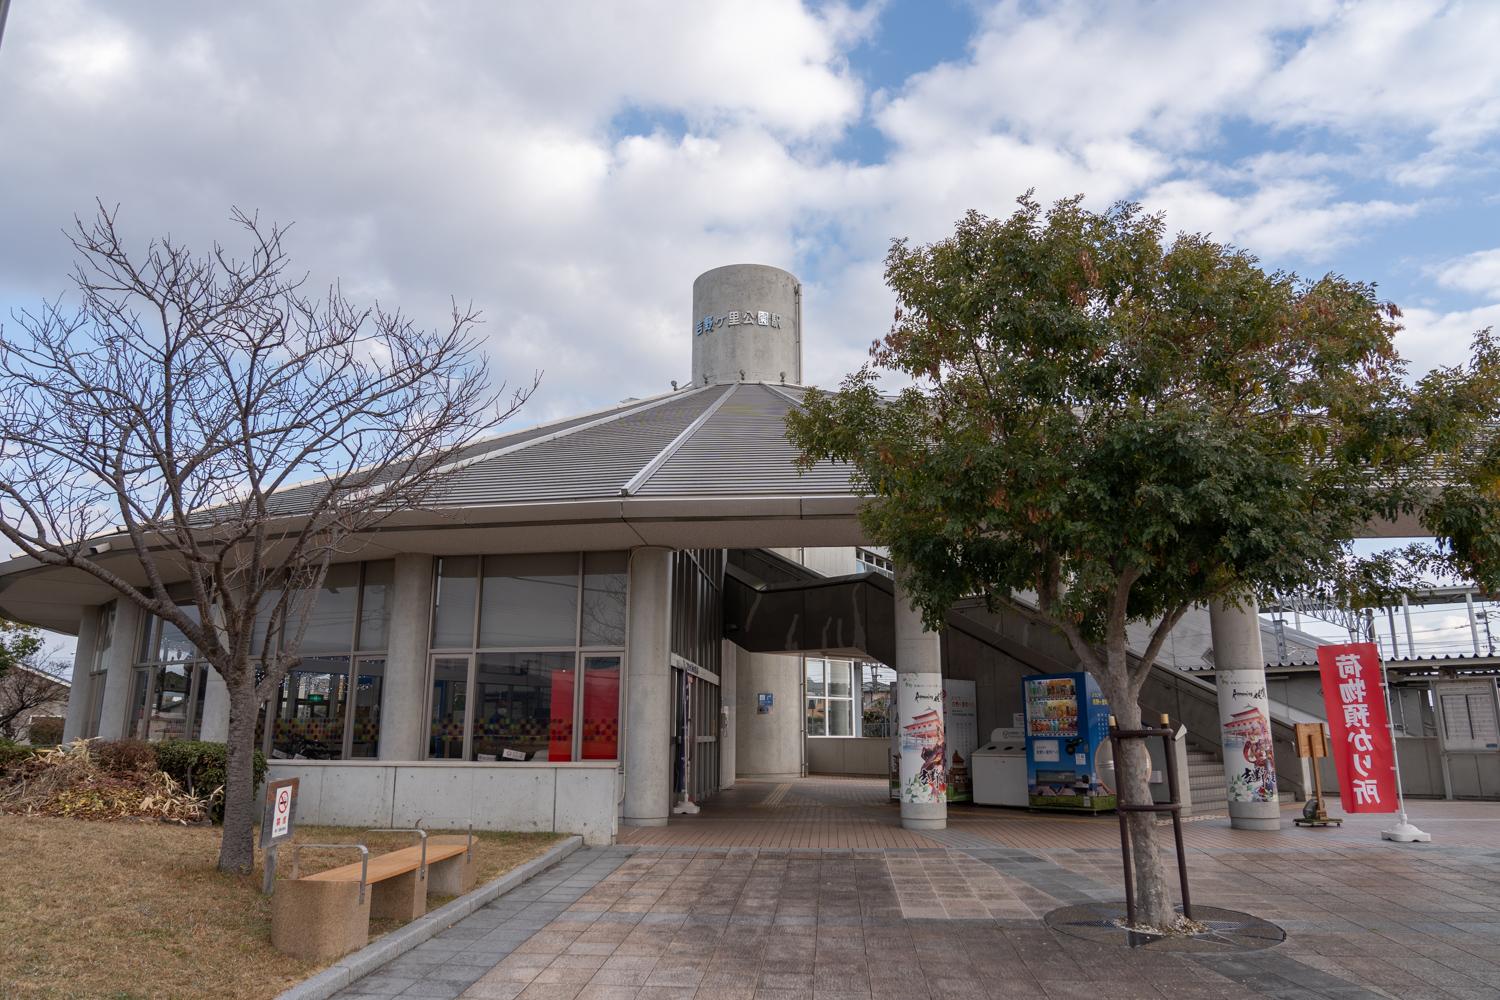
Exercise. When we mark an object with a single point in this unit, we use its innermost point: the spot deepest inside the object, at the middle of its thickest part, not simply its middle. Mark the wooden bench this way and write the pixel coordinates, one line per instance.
(327, 914)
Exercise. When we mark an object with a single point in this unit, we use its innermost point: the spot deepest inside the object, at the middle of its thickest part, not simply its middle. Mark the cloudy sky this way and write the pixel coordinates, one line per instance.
(570, 167)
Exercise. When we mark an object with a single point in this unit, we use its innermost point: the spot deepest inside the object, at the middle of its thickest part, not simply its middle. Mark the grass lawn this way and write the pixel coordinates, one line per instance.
(127, 911)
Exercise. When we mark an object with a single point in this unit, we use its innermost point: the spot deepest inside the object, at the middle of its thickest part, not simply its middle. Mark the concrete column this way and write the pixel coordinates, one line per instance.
(1244, 716)
(403, 697)
(118, 661)
(215, 725)
(919, 692)
(76, 718)
(729, 702)
(770, 741)
(648, 689)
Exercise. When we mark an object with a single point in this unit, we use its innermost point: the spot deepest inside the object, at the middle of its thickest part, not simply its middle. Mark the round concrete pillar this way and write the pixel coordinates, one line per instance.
(648, 689)
(1244, 716)
(919, 718)
(769, 731)
(747, 325)
(403, 695)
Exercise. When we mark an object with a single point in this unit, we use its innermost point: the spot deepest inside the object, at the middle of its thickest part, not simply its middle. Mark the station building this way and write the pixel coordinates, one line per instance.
(606, 619)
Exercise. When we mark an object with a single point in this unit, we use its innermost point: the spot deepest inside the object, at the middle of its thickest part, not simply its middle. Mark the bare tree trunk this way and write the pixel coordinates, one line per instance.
(237, 848)
(1153, 897)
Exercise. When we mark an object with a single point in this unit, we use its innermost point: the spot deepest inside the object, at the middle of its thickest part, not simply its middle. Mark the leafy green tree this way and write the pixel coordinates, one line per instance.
(18, 643)
(1128, 427)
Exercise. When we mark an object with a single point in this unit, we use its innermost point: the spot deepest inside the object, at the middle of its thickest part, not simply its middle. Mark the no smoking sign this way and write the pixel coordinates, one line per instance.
(279, 813)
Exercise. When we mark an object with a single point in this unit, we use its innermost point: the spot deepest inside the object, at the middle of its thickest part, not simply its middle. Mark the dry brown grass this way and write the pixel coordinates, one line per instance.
(129, 911)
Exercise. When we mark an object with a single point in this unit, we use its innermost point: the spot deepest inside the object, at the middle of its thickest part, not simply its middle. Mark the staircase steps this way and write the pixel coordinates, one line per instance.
(1206, 784)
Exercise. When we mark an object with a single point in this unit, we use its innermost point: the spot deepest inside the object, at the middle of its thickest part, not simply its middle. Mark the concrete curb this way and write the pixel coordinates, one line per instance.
(359, 964)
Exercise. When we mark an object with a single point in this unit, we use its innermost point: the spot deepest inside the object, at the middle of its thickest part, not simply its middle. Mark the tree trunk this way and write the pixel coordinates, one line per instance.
(237, 848)
(1153, 895)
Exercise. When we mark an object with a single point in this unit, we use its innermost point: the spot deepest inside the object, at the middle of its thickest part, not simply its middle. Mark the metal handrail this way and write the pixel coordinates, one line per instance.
(364, 861)
(422, 839)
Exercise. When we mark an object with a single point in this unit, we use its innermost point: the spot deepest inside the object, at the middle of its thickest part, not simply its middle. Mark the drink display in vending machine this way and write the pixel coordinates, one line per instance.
(1069, 764)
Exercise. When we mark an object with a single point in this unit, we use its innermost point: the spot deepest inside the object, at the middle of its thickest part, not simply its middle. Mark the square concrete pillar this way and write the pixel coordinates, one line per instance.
(119, 660)
(76, 718)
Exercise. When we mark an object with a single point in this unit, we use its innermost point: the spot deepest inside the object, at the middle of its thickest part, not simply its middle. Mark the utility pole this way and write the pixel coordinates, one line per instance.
(4, 9)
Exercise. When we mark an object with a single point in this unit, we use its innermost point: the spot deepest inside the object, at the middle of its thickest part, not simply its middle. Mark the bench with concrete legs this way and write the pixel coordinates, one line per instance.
(327, 914)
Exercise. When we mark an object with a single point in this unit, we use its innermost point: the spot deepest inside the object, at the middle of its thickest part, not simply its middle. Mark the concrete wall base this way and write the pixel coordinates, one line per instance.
(576, 797)
(914, 823)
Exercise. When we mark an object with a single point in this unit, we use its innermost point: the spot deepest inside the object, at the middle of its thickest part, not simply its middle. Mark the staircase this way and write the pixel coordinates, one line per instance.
(1206, 782)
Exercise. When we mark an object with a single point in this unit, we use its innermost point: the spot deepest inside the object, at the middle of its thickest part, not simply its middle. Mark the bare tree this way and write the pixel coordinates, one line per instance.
(171, 413)
(34, 682)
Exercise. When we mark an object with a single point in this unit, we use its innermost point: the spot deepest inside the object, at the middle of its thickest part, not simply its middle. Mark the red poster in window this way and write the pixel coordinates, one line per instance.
(1360, 730)
(601, 714)
(560, 723)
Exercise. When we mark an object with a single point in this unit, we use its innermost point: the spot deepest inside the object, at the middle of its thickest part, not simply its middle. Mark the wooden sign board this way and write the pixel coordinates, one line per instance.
(1311, 740)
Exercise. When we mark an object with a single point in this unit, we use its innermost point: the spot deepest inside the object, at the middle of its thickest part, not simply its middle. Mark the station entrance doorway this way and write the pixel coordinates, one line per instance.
(695, 732)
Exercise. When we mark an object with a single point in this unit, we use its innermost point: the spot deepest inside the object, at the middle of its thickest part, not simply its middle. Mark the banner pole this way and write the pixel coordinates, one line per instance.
(1404, 832)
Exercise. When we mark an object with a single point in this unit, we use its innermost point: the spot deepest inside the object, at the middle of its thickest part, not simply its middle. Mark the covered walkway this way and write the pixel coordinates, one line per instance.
(822, 812)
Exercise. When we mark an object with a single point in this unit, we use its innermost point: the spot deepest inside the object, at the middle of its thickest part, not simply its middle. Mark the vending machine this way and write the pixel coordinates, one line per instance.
(1069, 762)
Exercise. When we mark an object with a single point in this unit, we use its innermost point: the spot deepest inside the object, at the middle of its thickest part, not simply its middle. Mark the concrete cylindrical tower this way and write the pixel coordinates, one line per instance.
(747, 325)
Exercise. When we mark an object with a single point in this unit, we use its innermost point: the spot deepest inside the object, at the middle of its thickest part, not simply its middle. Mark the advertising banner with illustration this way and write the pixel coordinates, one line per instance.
(922, 765)
(961, 731)
(1245, 722)
(1360, 729)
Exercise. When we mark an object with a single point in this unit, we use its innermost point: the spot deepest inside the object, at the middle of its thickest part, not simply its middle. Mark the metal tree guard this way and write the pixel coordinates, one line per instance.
(1173, 806)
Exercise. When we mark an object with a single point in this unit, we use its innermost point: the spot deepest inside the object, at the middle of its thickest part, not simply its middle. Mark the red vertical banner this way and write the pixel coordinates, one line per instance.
(1360, 729)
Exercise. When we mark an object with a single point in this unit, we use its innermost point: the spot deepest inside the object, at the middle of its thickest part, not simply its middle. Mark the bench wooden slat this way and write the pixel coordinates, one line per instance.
(384, 866)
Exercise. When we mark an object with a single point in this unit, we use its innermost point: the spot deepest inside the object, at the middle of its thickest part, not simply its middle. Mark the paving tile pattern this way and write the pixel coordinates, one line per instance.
(834, 905)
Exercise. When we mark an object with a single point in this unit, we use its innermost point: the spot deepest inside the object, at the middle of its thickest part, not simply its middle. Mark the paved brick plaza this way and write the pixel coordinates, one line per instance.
(961, 921)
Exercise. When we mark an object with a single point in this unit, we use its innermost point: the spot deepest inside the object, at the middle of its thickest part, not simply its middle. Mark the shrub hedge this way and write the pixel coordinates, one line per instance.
(199, 766)
(11, 752)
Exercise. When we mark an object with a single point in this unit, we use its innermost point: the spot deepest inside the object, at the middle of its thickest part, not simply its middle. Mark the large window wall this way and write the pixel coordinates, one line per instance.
(328, 708)
(526, 657)
(168, 684)
(848, 698)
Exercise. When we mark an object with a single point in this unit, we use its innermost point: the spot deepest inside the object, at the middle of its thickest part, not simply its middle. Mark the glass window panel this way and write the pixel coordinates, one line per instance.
(840, 717)
(815, 678)
(816, 722)
(375, 606)
(330, 620)
(450, 686)
(167, 719)
(453, 611)
(604, 598)
(368, 682)
(106, 633)
(146, 651)
(529, 601)
(96, 703)
(201, 669)
(838, 678)
(523, 705)
(601, 708)
(310, 716)
(138, 687)
(174, 645)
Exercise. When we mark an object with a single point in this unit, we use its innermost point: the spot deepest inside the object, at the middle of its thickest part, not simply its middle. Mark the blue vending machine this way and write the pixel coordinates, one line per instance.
(1069, 762)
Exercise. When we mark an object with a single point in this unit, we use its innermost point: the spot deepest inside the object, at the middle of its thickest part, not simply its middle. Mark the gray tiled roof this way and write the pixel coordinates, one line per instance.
(707, 441)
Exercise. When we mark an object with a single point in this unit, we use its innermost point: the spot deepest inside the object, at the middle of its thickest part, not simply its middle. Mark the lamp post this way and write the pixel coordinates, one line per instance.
(4, 9)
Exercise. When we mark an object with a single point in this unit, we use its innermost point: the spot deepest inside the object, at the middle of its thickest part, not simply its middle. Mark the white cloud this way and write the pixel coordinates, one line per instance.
(1476, 272)
(496, 153)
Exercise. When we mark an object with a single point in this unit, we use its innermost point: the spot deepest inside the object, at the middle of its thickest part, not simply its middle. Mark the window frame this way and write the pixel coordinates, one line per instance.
(474, 651)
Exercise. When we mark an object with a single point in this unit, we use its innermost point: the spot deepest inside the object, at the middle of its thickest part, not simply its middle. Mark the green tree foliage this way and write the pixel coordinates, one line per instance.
(18, 643)
(1128, 426)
